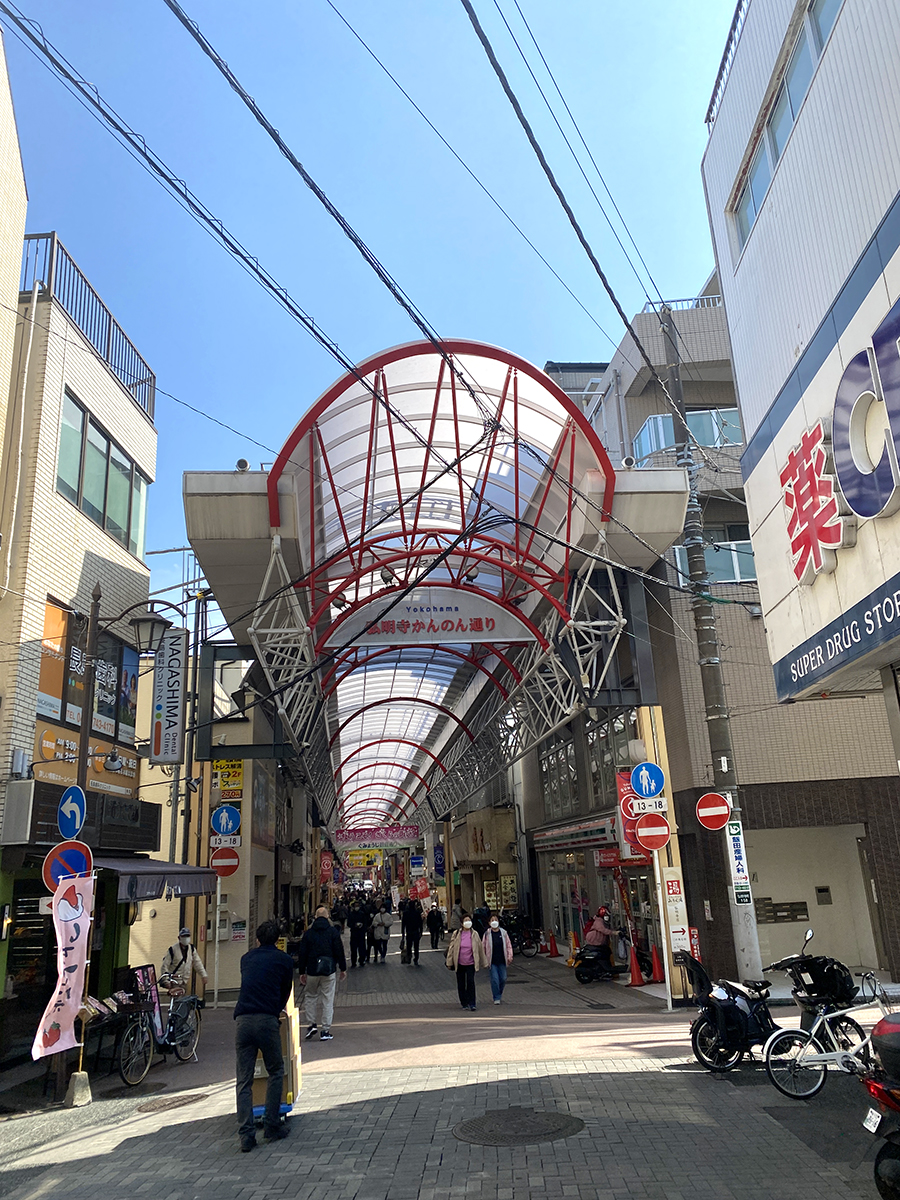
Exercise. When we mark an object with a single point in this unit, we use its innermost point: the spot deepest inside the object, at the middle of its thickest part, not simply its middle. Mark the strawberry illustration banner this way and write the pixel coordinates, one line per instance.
(73, 907)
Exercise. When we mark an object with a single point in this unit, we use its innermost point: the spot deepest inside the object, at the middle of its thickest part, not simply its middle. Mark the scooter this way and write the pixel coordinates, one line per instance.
(594, 964)
(883, 1085)
(734, 1017)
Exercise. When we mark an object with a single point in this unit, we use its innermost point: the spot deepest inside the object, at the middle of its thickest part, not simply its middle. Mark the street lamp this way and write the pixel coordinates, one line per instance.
(149, 629)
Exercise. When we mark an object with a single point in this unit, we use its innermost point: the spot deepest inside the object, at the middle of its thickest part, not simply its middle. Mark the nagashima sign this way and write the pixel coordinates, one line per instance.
(73, 906)
(168, 699)
(377, 835)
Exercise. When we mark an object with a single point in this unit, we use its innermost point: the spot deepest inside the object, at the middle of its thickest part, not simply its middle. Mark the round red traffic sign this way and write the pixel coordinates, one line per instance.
(713, 811)
(224, 861)
(68, 858)
(652, 831)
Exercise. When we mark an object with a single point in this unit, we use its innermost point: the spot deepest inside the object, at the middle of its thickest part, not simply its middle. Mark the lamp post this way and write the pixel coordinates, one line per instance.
(149, 629)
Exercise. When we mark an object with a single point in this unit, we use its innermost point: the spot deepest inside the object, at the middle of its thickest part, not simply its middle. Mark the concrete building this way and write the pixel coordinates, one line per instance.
(802, 179)
(810, 861)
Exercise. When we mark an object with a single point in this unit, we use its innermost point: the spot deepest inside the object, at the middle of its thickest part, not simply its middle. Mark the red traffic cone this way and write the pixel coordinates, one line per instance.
(577, 944)
(543, 948)
(658, 975)
(637, 979)
(554, 953)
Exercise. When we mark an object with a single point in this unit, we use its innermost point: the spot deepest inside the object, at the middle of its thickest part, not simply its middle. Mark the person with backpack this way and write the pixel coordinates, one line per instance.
(319, 957)
(182, 958)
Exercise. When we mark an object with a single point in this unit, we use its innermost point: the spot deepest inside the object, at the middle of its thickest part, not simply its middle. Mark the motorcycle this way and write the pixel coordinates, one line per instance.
(733, 1019)
(882, 1082)
(594, 964)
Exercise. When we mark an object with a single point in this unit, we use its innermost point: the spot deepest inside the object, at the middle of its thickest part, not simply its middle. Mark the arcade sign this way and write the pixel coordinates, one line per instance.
(377, 835)
(430, 616)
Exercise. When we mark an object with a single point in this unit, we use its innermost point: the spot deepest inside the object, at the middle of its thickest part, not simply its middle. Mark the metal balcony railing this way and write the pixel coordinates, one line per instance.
(734, 33)
(681, 305)
(45, 260)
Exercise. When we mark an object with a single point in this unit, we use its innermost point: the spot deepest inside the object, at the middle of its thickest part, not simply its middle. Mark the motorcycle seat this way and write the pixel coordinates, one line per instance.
(758, 985)
(748, 991)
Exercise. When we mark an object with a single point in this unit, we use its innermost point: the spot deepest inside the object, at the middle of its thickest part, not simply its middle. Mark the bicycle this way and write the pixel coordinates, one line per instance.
(524, 940)
(797, 1060)
(180, 1036)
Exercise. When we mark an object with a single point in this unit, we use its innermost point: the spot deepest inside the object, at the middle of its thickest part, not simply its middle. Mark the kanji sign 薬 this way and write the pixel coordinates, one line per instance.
(814, 525)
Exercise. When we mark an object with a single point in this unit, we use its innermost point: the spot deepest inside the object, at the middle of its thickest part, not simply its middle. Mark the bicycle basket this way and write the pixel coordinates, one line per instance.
(825, 980)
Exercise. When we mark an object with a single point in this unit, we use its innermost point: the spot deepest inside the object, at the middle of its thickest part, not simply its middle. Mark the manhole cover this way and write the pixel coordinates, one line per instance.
(164, 1103)
(517, 1127)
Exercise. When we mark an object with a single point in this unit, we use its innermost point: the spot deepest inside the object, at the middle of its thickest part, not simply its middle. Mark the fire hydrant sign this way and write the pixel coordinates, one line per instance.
(73, 907)
(740, 877)
(676, 909)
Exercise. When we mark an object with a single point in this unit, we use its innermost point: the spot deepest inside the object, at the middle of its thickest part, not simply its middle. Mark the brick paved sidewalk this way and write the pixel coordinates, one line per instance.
(651, 1132)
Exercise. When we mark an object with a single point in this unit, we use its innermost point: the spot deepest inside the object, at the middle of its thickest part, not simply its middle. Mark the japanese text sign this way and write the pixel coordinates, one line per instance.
(73, 906)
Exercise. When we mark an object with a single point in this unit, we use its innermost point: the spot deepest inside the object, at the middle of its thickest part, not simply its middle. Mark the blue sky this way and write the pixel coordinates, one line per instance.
(637, 77)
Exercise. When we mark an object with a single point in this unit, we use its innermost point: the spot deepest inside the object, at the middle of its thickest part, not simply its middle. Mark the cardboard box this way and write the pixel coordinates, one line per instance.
(290, 1048)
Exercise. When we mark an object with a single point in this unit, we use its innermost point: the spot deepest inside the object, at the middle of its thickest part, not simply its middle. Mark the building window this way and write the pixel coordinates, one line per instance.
(818, 22)
(100, 478)
(729, 559)
(708, 426)
(559, 777)
(608, 752)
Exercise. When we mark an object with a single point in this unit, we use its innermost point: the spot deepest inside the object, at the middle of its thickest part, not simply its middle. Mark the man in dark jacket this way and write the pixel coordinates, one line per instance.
(359, 921)
(435, 923)
(320, 956)
(267, 976)
(412, 921)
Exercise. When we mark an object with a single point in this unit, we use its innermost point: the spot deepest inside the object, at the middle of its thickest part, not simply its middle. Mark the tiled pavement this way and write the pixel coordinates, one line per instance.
(656, 1126)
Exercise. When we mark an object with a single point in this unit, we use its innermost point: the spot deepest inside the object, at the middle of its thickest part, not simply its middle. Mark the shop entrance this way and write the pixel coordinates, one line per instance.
(568, 897)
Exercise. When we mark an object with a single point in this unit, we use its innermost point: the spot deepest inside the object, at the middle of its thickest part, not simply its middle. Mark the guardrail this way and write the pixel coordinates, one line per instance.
(681, 305)
(46, 261)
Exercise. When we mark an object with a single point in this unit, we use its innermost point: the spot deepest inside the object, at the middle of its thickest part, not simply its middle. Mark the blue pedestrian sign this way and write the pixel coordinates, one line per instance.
(225, 819)
(647, 779)
(71, 812)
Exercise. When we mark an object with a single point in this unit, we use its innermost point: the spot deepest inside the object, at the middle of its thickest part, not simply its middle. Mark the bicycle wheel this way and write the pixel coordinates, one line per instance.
(135, 1051)
(707, 1047)
(787, 1069)
(529, 945)
(516, 942)
(187, 1034)
(847, 1035)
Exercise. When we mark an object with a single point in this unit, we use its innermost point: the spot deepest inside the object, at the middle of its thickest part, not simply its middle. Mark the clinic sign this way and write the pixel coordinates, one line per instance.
(168, 699)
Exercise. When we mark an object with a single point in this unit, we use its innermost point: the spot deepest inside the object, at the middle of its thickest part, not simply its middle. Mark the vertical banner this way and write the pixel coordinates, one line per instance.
(326, 867)
(438, 862)
(740, 878)
(73, 907)
(51, 684)
(169, 692)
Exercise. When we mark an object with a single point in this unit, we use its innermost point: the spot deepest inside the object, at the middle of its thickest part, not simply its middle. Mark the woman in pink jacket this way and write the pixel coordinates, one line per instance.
(499, 953)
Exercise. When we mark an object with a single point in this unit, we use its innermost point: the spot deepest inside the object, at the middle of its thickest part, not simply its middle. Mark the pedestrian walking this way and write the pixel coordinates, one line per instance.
(359, 922)
(412, 925)
(456, 918)
(320, 957)
(481, 918)
(499, 953)
(435, 923)
(466, 955)
(381, 931)
(182, 958)
(267, 977)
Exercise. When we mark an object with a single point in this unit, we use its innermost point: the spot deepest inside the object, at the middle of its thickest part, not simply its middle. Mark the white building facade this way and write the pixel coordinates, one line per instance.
(802, 180)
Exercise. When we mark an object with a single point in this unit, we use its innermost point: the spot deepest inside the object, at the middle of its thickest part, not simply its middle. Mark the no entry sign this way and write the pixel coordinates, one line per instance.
(225, 861)
(652, 831)
(713, 811)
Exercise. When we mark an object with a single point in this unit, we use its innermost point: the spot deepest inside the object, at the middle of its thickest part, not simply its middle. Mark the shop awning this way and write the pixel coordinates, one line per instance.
(150, 878)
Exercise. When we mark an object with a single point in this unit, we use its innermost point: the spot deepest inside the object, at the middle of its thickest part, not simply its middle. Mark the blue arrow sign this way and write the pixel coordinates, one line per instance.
(71, 812)
(225, 819)
(647, 779)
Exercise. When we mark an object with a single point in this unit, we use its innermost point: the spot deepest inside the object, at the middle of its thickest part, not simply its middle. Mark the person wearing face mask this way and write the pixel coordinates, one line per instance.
(499, 954)
(466, 955)
(182, 958)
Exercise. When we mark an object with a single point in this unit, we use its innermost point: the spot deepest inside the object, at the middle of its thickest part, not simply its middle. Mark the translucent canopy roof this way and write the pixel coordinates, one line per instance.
(462, 471)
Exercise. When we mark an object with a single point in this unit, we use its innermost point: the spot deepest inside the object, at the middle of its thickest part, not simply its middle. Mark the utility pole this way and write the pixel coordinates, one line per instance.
(718, 723)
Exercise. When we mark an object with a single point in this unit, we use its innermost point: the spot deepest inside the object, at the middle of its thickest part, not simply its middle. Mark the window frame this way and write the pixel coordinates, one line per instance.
(88, 423)
(740, 210)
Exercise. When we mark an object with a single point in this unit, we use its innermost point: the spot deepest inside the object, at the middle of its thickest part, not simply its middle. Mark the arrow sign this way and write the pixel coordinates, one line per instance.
(713, 811)
(652, 831)
(71, 811)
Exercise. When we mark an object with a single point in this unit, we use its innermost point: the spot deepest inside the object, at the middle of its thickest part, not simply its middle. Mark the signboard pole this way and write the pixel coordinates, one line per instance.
(216, 959)
(663, 927)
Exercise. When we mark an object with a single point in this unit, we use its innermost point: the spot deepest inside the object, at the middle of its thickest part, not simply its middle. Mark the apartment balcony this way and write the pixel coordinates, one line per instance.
(717, 444)
(46, 261)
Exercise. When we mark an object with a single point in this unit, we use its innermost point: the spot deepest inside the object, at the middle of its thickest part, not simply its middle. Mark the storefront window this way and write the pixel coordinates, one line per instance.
(608, 752)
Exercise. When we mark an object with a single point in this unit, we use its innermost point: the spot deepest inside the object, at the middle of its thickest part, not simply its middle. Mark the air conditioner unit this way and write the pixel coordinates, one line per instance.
(15, 824)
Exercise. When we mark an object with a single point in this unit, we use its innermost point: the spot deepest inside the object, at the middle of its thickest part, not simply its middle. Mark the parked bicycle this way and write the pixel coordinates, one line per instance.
(524, 940)
(797, 1060)
(180, 1034)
